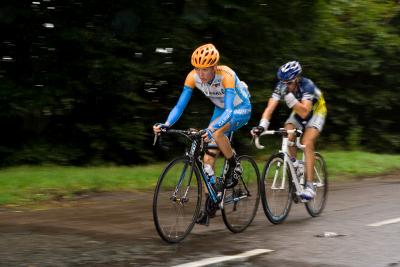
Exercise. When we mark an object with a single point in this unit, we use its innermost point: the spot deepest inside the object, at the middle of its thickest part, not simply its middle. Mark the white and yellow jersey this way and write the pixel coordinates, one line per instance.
(224, 78)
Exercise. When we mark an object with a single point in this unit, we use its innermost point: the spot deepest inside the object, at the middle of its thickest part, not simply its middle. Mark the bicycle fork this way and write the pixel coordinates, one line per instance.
(184, 198)
(286, 163)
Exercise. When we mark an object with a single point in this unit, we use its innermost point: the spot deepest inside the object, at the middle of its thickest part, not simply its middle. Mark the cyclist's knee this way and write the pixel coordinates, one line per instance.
(309, 141)
(309, 144)
(208, 159)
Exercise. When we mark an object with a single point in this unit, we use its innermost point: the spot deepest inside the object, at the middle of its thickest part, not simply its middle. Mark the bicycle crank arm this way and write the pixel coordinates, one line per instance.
(236, 199)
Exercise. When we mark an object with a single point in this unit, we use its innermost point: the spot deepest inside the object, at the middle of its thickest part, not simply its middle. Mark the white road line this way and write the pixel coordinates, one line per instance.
(396, 220)
(205, 262)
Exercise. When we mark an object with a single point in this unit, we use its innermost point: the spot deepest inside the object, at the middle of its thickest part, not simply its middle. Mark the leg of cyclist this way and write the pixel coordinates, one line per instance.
(313, 129)
(240, 117)
(212, 154)
(291, 137)
(309, 138)
(290, 124)
(209, 166)
(234, 168)
(209, 158)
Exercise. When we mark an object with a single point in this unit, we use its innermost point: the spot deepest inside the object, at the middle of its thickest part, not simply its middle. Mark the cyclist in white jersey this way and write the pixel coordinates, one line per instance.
(232, 107)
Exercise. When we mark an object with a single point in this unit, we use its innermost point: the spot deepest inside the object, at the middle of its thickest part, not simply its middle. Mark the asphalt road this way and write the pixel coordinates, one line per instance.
(117, 230)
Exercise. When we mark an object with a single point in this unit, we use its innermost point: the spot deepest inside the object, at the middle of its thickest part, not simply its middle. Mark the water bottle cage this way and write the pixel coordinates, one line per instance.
(300, 170)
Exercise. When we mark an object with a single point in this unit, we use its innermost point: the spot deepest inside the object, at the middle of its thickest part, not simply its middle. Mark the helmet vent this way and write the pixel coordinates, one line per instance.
(205, 56)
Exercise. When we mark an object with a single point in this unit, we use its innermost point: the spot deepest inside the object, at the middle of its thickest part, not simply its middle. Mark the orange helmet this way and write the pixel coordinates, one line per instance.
(205, 56)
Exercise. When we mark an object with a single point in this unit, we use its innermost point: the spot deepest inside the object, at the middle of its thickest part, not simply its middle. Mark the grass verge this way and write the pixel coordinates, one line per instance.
(27, 184)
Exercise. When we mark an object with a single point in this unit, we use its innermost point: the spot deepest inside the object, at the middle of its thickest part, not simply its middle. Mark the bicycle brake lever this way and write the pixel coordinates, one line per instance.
(155, 140)
(158, 138)
(252, 140)
(166, 148)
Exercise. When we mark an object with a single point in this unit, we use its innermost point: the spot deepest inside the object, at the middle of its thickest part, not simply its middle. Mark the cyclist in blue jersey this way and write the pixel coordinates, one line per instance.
(232, 107)
(308, 114)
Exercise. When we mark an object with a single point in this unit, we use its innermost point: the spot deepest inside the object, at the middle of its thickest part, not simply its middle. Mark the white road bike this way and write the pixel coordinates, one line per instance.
(280, 184)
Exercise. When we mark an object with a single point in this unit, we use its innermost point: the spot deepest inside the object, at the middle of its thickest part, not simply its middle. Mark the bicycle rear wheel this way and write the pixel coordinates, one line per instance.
(240, 203)
(317, 205)
(276, 192)
(177, 199)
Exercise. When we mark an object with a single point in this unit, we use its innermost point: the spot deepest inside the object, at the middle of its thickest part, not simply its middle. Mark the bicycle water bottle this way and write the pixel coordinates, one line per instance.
(210, 173)
(300, 171)
(295, 163)
(216, 185)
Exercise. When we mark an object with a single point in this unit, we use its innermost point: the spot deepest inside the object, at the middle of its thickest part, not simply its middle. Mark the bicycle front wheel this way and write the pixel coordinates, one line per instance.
(317, 205)
(177, 200)
(276, 189)
(240, 203)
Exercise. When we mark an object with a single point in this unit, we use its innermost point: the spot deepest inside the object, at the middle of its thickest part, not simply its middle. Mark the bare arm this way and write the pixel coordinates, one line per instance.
(302, 108)
(272, 104)
(266, 116)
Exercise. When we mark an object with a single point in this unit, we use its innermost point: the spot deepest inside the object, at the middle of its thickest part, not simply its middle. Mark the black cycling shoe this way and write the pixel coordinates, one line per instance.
(203, 218)
(233, 175)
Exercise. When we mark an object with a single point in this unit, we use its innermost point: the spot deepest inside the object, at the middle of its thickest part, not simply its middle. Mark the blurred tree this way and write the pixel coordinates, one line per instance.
(83, 82)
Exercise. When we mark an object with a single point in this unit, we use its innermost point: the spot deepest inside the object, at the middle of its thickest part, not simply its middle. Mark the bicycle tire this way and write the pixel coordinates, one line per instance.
(167, 209)
(276, 202)
(241, 202)
(317, 205)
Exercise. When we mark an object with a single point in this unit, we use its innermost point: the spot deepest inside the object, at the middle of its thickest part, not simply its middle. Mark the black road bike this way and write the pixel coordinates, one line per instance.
(178, 194)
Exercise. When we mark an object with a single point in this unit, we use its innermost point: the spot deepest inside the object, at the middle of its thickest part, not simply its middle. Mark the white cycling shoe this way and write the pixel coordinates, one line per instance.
(308, 194)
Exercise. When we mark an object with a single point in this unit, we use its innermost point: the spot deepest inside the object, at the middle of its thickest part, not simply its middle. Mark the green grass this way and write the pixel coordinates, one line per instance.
(27, 184)
(356, 163)
(31, 183)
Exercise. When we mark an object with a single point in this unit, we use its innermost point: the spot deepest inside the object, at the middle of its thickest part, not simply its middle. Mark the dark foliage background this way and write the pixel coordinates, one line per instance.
(82, 82)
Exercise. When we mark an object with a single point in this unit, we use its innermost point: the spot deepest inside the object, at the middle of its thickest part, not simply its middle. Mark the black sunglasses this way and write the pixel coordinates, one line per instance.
(289, 82)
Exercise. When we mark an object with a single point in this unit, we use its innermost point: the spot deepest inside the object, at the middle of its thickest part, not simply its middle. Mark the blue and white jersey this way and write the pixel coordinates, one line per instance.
(226, 91)
(224, 78)
(307, 90)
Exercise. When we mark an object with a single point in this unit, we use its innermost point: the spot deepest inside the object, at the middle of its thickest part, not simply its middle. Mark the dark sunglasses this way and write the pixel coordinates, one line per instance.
(289, 82)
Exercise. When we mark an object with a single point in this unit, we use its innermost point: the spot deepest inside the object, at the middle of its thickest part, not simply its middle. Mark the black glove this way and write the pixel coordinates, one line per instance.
(162, 125)
(258, 130)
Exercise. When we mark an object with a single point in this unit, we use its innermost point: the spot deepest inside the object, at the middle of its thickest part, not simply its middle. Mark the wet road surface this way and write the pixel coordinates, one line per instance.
(117, 230)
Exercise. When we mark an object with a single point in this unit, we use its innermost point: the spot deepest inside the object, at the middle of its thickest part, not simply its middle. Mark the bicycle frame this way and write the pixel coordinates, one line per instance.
(194, 154)
(286, 158)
